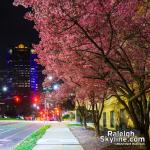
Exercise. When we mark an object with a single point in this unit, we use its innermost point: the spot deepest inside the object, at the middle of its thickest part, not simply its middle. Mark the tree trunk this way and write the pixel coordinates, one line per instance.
(83, 116)
(146, 129)
(147, 140)
(97, 128)
(81, 121)
(84, 122)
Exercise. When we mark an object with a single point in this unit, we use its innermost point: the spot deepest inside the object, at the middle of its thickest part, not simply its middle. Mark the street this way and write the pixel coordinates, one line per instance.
(12, 132)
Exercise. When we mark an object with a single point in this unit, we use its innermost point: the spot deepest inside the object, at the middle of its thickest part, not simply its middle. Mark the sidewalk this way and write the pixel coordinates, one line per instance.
(58, 137)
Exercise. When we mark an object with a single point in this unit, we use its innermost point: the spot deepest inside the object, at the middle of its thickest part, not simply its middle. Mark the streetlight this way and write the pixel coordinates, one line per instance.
(34, 105)
(56, 86)
(4, 88)
(37, 107)
(50, 78)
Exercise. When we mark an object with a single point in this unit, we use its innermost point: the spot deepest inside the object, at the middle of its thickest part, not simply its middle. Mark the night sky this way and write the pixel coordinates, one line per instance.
(14, 28)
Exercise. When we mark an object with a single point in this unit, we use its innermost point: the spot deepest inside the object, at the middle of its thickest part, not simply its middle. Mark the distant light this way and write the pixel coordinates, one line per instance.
(10, 51)
(56, 86)
(50, 78)
(35, 99)
(38, 107)
(32, 51)
(72, 94)
(5, 89)
(34, 105)
(17, 99)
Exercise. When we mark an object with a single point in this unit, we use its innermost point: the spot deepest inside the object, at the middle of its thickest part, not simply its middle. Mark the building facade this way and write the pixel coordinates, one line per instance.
(23, 69)
(114, 116)
(26, 79)
(4, 83)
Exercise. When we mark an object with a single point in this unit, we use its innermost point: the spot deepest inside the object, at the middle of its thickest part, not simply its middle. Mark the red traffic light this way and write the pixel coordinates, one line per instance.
(35, 100)
(17, 99)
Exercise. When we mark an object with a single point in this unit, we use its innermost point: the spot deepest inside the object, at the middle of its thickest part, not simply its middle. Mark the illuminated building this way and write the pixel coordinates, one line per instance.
(23, 69)
(25, 74)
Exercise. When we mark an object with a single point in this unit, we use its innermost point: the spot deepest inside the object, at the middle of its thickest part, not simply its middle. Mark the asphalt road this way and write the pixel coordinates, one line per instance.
(12, 132)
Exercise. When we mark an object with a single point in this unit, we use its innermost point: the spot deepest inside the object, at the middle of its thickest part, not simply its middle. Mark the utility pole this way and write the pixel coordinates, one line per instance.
(45, 110)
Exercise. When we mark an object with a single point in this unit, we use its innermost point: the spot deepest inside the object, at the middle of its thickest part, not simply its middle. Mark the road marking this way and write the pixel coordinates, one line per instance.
(4, 140)
(24, 130)
(17, 126)
(6, 131)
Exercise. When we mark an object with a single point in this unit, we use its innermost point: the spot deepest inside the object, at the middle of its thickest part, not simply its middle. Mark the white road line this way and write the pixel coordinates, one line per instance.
(5, 131)
(12, 128)
(19, 132)
(4, 140)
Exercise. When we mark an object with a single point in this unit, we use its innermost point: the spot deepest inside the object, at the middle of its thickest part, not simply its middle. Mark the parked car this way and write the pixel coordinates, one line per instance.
(28, 117)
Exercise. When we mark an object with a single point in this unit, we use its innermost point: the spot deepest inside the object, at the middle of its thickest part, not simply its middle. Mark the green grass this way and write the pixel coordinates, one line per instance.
(74, 125)
(31, 140)
(9, 119)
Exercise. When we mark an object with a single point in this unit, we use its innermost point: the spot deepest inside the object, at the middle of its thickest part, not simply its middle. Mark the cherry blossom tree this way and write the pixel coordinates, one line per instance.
(99, 40)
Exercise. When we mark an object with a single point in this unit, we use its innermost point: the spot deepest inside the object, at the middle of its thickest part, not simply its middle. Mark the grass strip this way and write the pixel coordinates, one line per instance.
(74, 125)
(29, 142)
(9, 119)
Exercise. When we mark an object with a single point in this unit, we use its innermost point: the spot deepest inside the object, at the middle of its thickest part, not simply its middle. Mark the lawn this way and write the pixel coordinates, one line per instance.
(31, 140)
(9, 119)
(74, 125)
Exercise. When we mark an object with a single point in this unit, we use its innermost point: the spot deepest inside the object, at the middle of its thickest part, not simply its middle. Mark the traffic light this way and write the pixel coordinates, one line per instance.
(35, 100)
(17, 99)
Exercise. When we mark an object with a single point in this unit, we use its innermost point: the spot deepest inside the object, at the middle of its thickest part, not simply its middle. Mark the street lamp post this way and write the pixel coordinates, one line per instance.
(46, 109)
(50, 89)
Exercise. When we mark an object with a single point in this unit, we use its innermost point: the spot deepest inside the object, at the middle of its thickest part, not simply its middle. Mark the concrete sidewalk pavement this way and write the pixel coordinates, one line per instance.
(58, 137)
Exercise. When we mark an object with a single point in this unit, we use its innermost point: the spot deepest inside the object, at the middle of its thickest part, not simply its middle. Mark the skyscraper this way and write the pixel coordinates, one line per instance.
(24, 70)
(25, 75)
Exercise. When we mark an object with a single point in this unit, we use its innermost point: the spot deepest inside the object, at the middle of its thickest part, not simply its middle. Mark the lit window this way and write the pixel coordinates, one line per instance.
(112, 119)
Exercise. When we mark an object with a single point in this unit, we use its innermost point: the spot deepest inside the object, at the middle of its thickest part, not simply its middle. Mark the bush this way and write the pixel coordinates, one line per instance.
(69, 116)
(66, 117)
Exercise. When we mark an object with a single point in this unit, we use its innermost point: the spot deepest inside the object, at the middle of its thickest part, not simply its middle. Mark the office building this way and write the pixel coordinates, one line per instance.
(26, 77)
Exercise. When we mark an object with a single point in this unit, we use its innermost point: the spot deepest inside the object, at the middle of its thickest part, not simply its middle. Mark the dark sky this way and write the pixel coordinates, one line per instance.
(14, 28)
